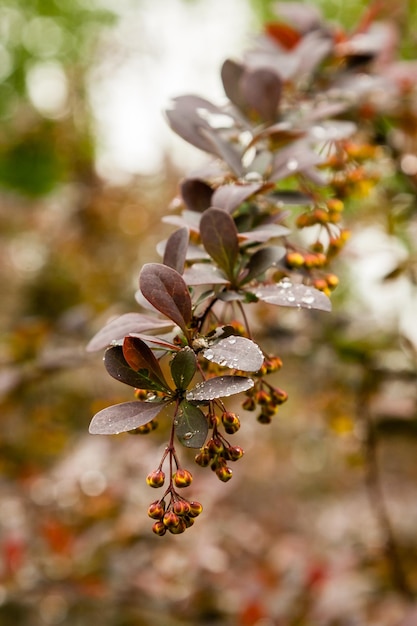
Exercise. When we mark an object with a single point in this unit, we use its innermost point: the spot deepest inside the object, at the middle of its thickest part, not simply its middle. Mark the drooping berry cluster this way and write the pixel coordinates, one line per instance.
(172, 512)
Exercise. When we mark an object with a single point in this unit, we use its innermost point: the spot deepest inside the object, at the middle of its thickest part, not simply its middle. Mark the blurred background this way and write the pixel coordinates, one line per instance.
(317, 527)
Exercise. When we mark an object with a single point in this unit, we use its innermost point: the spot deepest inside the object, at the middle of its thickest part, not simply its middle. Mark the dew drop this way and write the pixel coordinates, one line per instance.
(188, 436)
(308, 299)
(292, 165)
(209, 354)
(232, 340)
(285, 283)
(290, 297)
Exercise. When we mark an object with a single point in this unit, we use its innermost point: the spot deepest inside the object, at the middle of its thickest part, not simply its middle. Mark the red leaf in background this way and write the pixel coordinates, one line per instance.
(286, 36)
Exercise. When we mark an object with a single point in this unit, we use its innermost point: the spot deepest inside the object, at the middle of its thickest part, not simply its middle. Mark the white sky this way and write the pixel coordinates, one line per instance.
(160, 49)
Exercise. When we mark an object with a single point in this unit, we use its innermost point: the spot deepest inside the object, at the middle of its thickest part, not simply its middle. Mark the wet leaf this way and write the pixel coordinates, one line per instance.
(166, 290)
(191, 425)
(123, 417)
(140, 357)
(117, 366)
(196, 194)
(219, 236)
(183, 367)
(122, 326)
(286, 293)
(219, 387)
(235, 352)
(176, 250)
(262, 260)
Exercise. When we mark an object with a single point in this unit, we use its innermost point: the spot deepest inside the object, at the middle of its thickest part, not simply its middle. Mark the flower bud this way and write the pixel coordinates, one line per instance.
(235, 453)
(215, 446)
(182, 478)
(171, 519)
(224, 473)
(249, 404)
(156, 478)
(181, 507)
(279, 396)
(156, 510)
(159, 528)
(231, 422)
(203, 457)
(179, 528)
(195, 509)
(262, 397)
(294, 259)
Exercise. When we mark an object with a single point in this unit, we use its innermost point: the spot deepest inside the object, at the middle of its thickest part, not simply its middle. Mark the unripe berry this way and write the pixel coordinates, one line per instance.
(279, 396)
(159, 528)
(332, 281)
(195, 509)
(189, 521)
(224, 473)
(203, 457)
(171, 519)
(262, 397)
(156, 478)
(231, 422)
(181, 507)
(182, 478)
(235, 453)
(334, 204)
(294, 259)
(179, 528)
(156, 510)
(249, 404)
(215, 446)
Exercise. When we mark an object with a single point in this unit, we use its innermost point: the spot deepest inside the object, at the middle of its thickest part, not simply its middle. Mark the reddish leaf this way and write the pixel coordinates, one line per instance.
(117, 366)
(286, 36)
(176, 250)
(139, 357)
(219, 236)
(166, 290)
(219, 387)
(123, 417)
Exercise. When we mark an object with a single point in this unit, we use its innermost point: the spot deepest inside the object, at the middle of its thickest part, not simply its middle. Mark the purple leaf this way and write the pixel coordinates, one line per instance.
(196, 194)
(299, 296)
(265, 232)
(293, 159)
(176, 250)
(219, 387)
(191, 425)
(235, 352)
(128, 323)
(204, 274)
(185, 120)
(229, 197)
(123, 417)
(219, 236)
(224, 150)
(261, 89)
(231, 74)
(166, 290)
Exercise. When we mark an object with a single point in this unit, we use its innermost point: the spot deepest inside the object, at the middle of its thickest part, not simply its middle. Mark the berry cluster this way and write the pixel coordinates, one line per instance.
(179, 513)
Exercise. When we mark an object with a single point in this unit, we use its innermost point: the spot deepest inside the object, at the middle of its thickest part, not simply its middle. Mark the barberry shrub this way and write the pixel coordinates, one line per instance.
(261, 223)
